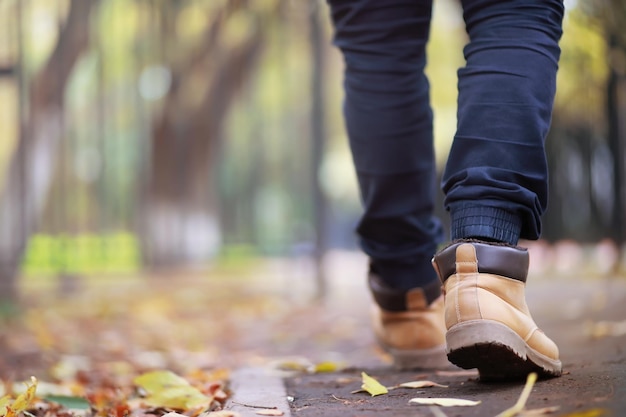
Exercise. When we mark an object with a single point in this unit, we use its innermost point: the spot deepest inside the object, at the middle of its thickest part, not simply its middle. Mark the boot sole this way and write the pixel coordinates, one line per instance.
(497, 351)
(433, 358)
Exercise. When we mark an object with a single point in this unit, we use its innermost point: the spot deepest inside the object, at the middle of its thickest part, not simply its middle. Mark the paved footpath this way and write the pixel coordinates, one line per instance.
(586, 317)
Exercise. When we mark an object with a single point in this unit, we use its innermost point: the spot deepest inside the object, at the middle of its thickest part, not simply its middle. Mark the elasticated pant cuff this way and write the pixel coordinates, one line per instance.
(490, 223)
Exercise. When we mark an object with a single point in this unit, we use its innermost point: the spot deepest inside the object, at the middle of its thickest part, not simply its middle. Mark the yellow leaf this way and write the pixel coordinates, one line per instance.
(444, 402)
(166, 389)
(372, 386)
(593, 412)
(179, 398)
(4, 402)
(270, 412)
(326, 367)
(24, 400)
(157, 381)
(420, 384)
(521, 402)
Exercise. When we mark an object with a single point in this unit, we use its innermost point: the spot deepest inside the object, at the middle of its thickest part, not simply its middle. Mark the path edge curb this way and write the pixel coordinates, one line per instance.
(254, 389)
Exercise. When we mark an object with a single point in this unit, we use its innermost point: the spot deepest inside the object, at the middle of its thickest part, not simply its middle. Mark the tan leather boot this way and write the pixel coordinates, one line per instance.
(413, 334)
(489, 325)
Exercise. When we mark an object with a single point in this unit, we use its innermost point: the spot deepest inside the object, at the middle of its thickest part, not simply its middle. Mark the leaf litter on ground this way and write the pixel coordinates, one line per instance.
(21, 403)
(154, 393)
(85, 350)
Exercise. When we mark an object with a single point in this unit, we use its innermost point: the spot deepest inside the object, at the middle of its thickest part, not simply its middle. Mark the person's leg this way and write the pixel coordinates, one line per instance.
(389, 124)
(496, 187)
(496, 176)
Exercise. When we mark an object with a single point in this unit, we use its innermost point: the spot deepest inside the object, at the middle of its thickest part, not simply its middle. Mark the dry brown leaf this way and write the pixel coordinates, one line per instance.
(418, 384)
(467, 373)
(345, 380)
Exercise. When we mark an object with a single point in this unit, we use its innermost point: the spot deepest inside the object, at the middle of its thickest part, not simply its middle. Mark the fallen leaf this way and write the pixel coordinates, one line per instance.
(73, 403)
(166, 389)
(372, 386)
(593, 412)
(419, 384)
(521, 401)
(539, 411)
(221, 413)
(345, 380)
(4, 402)
(159, 380)
(467, 373)
(444, 402)
(23, 401)
(326, 367)
(293, 364)
(270, 412)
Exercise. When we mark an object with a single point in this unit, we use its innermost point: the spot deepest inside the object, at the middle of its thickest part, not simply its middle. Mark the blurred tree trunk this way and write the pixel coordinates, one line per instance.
(611, 14)
(616, 109)
(318, 135)
(179, 215)
(30, 171)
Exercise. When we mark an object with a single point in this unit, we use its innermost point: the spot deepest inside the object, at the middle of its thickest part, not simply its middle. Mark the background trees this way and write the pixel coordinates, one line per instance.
(165, 133)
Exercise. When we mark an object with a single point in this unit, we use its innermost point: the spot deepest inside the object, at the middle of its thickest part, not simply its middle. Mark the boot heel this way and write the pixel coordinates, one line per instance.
(497, 351)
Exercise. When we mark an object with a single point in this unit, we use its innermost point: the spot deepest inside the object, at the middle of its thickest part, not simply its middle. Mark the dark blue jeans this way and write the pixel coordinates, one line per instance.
(495, 181)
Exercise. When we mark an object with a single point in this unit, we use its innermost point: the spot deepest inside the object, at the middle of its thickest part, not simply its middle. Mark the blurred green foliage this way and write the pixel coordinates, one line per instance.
(82, 254)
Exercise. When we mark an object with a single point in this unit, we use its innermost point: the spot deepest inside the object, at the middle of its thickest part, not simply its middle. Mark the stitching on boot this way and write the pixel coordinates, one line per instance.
(456, 298)
(530, 333)
(475, 277)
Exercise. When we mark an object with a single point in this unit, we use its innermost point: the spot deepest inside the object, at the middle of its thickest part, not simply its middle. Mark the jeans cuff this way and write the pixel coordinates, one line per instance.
(491, 223)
